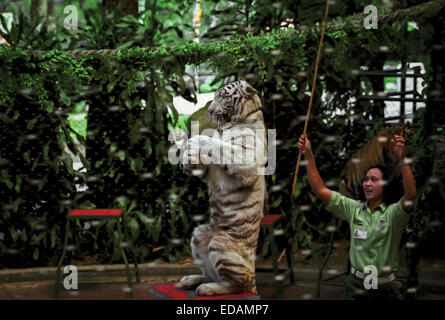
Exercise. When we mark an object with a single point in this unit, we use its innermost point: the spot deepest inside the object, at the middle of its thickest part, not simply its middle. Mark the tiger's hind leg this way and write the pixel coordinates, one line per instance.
(235, 275)
(199, 245)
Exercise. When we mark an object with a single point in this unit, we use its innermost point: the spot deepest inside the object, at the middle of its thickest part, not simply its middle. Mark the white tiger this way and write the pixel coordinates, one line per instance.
(225, 248)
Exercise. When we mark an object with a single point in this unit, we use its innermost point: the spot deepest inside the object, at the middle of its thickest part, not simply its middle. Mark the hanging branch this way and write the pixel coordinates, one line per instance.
(354, 20)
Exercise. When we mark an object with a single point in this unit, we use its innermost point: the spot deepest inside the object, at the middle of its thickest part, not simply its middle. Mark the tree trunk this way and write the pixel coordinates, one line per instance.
(50, 17)
(39, 9)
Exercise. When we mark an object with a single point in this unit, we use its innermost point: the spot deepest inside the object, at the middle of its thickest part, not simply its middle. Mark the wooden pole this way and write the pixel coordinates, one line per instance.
(314, 81)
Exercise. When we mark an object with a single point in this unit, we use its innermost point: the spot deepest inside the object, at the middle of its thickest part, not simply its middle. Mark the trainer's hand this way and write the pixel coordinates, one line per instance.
(399, 148)
(304, 145)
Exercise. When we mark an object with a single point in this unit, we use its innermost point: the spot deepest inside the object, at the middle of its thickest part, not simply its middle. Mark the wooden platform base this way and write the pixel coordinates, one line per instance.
(174, 291)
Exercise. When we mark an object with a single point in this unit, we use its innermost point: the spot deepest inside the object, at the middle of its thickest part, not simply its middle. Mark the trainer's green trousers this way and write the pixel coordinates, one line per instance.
(355, 290)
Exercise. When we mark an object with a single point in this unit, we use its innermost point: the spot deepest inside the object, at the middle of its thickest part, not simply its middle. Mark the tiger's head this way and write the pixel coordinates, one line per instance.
(229, 102)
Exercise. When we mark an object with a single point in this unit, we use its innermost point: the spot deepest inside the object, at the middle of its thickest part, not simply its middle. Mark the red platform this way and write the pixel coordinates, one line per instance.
(270, 219)
(174, 291)
(95, 213)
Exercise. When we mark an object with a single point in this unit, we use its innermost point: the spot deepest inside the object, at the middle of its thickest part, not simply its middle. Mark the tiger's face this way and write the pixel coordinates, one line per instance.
(228, 101)
(221, 108)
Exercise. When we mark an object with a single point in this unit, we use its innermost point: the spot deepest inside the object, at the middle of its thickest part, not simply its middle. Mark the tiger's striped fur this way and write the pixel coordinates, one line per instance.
(225, 248)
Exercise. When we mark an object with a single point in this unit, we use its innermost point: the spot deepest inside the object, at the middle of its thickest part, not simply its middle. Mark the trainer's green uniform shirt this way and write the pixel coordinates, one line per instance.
(383, 228)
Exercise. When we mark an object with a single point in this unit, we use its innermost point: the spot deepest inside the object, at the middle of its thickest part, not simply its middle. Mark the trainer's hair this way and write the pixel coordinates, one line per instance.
(391, 189)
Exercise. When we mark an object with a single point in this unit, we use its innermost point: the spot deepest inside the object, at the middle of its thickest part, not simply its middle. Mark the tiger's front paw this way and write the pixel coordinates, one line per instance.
(191, 151)
(211, 289)
(198, 150)
(193, 281)
(199, 142)
(190, 157)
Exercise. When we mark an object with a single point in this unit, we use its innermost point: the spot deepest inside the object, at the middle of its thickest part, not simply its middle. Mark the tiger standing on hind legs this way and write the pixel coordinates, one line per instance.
(376, 225)
(230, 162)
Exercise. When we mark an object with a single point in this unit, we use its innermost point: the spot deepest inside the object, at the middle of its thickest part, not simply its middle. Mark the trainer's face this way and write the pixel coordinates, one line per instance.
(373, 185)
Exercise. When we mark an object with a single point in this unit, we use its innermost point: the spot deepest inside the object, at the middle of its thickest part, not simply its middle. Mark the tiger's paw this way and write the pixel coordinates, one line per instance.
(193, 280)
(211, 289)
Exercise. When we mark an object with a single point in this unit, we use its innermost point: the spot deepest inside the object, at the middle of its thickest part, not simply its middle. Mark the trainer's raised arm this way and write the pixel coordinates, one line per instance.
(409, 184)
(317, 184)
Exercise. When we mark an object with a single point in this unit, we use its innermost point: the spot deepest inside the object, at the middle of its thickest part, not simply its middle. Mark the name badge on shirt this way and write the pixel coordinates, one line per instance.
(360, 234)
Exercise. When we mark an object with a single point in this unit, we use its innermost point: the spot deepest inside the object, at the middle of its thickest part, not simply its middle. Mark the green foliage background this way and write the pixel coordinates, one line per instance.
(129, 95)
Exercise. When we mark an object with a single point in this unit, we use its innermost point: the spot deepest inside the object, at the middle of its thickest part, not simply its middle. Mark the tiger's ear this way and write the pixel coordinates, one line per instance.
(250, 91)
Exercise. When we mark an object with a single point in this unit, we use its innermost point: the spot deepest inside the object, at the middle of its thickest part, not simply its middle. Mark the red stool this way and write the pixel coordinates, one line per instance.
(95, 214)
(269, 223)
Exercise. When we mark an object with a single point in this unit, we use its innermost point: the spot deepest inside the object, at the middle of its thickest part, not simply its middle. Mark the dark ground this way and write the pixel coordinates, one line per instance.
(38, 283)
